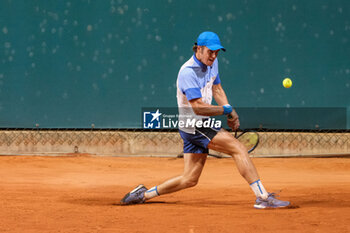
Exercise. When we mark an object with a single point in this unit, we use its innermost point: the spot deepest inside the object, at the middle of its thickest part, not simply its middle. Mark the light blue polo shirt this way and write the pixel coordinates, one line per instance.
(195, 80)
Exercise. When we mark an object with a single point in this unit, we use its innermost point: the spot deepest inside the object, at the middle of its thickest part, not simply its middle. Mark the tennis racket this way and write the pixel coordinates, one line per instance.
(249, 138)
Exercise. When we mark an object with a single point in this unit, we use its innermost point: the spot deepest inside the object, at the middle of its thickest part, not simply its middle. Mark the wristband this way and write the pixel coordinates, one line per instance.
(227, 109)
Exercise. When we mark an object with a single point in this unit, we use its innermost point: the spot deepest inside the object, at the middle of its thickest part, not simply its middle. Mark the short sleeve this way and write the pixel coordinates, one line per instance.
(217, 80)
(188, 84)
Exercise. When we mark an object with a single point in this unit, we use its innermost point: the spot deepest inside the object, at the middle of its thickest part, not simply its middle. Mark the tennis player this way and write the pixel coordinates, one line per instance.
(198, 81)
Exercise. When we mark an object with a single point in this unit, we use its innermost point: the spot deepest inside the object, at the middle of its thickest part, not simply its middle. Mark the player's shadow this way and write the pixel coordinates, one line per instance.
(183, 203)
(146, 203)
(92, 201)
(103, 201)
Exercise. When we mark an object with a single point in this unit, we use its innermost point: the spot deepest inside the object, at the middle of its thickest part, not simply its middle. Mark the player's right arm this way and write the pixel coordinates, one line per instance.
(204, 109)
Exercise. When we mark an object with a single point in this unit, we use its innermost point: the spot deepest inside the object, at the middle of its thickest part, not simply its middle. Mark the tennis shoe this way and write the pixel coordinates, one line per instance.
(270, 202)
(136, 196)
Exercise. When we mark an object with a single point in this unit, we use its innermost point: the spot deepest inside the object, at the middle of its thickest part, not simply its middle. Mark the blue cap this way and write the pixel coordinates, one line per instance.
(210, 40)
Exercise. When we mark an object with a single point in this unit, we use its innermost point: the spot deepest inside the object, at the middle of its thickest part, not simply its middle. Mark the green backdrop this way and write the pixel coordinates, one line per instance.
(70, 64)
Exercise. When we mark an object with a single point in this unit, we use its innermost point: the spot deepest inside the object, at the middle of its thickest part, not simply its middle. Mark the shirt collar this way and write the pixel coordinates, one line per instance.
(203, 66)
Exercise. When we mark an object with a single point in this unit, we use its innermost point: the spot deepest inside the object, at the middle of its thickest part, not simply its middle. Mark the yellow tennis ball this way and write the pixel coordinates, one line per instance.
(287, 82)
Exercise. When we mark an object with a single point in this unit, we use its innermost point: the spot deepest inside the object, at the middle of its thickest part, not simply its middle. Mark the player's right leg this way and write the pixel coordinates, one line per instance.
(193, 166)
(195, 155)
(227, 143)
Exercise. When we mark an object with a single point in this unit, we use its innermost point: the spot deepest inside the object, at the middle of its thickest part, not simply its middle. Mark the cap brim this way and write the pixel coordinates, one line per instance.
(216, 47)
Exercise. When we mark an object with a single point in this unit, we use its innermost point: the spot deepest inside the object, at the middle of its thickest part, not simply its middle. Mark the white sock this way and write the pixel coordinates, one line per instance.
(259, 190)
(151, 193)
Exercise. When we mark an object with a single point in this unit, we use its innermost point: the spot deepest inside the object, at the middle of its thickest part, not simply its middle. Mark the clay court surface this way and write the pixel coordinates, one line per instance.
(81, 194)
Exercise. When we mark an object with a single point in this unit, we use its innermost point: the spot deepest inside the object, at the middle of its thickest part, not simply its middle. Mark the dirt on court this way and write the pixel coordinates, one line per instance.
(82, 193)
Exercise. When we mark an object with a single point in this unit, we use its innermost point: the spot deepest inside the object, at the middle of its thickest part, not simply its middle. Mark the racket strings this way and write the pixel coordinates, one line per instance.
(249, 140)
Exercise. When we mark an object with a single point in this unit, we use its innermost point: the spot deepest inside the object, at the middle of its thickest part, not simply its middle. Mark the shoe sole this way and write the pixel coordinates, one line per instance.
(122, 202)
(270, 207)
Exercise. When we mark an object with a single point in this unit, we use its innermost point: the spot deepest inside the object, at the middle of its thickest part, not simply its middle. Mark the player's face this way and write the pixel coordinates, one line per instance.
(207, 56)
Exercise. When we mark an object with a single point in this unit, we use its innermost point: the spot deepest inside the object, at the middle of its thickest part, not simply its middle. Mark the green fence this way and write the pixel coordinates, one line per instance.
(78, 63)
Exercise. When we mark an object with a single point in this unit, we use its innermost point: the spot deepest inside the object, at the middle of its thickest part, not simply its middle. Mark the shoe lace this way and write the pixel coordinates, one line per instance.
(275, 194)
(140, 194)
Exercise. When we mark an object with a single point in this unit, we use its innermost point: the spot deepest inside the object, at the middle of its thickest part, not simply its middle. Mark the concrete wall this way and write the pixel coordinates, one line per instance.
(129, 143)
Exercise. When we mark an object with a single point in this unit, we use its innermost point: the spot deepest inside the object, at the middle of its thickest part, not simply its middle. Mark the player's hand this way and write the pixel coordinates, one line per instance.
(233, 120)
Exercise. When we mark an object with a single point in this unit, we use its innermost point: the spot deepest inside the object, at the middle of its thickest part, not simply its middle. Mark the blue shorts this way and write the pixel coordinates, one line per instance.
(198, 143)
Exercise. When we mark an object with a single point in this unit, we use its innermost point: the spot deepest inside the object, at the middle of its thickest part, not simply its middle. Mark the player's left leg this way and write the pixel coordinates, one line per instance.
(226, 143)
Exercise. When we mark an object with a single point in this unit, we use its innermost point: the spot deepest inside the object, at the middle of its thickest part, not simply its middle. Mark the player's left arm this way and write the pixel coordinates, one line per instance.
(221, 99)
(219, 94)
